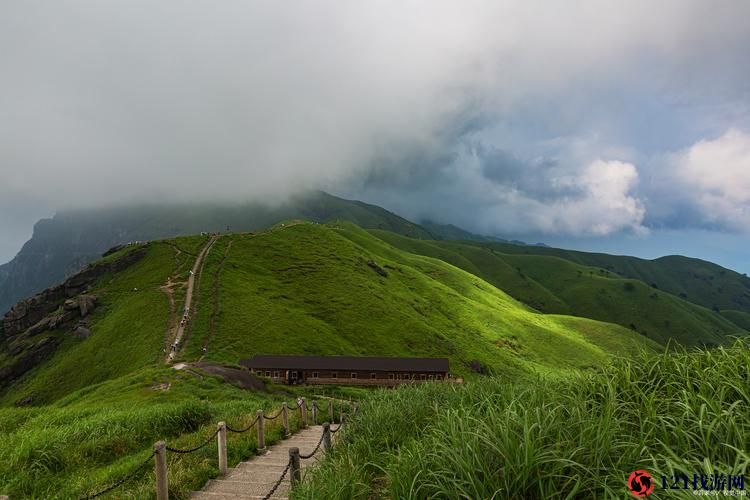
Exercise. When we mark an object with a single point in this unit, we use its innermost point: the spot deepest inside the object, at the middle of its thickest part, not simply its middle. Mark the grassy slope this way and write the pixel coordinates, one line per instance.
(700, 282)
(128, 328)
(554, 285)
(91, 438)
(308, 289)
(578, 437)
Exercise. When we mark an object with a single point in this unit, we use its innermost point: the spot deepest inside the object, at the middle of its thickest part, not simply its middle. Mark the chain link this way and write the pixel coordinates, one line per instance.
(317, 447)
(240, 431)
(122, 481)
(191, 450)
(278, 483)
(274, 417)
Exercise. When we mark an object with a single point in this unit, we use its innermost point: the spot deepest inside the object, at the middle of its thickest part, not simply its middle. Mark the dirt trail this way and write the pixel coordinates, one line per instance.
(174, 347)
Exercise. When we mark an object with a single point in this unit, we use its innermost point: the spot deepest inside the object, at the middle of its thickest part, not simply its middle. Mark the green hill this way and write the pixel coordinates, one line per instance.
(552, 284)
(694, 280)
(73, 238)
(306, 288)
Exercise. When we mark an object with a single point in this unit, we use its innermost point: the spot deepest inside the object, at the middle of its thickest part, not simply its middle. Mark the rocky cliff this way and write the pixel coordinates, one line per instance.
(32, 329)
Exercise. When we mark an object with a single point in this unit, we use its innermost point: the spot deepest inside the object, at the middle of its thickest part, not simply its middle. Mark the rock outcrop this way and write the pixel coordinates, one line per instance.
(25, 330)
(68, 296)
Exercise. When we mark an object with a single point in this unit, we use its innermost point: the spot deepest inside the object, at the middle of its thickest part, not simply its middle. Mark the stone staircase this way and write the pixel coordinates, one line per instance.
(255, 478)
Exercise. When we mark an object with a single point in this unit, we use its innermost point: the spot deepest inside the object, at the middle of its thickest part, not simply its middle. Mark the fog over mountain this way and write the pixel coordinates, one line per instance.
(617, 125)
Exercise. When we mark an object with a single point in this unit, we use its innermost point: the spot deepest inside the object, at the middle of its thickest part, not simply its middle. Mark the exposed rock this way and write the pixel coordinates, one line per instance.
(27, 359)
(64, 307)
(82, 332)
(86, 304)
(375, 267)
(27, 401)
(31, 311)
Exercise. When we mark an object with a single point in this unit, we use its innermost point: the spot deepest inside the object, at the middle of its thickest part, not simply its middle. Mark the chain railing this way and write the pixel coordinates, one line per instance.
(193, 450)
(161, 448)
(122, 480)
(241, 431)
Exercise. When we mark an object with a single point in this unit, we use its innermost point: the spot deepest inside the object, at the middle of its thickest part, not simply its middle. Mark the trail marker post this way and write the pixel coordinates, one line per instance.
(330, 410)
(315, 413)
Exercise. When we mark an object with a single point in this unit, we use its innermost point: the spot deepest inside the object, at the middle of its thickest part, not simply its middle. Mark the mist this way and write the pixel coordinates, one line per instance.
(501, 117)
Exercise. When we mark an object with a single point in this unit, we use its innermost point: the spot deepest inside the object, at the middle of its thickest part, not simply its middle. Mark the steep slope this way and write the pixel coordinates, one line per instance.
(305, 288)
(554, 285)
(64, 244)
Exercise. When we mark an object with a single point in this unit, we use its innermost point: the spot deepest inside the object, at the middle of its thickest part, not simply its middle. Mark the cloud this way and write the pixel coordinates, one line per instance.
(715, 175)
(130, 101)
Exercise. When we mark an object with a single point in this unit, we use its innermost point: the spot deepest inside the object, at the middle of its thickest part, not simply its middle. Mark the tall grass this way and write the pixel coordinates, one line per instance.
(70, 452)
(578, 437)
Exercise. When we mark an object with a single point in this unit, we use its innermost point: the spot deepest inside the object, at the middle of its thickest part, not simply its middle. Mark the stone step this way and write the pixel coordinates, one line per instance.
(254, 478)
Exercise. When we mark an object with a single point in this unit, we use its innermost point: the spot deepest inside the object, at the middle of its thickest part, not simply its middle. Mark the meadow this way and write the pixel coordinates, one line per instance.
(575, 437)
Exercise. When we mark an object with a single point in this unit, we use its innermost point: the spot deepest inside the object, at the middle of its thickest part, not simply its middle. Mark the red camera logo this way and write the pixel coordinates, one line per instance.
(640, 483)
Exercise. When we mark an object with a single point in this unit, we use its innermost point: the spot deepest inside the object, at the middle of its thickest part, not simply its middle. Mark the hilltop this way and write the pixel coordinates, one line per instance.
(64, 244)
(304, 288)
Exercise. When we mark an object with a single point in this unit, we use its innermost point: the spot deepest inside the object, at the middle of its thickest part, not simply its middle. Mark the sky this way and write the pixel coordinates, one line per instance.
(605, 125)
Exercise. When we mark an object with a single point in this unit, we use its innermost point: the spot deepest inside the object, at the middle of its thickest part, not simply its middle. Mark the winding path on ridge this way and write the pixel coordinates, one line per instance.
(189, 296)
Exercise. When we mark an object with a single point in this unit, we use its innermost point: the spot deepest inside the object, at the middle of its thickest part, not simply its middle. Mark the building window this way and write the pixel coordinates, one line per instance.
(406, 376)
(373, 375)
(390, 376)
(334, 375)
(294, 375)
(276, 374)
(354, 375)
(268, 373)
(430, 377)
(315, 375)
(423, 377)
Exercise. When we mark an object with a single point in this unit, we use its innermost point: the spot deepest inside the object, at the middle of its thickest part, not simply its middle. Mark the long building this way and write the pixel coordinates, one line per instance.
(348, 370)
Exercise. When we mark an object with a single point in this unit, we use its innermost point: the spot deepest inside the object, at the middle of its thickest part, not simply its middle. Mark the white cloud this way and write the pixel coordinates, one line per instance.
(716, 176)
(604, 203)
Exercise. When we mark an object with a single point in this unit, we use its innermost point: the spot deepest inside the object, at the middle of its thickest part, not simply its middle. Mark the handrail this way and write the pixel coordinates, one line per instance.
(161, 473)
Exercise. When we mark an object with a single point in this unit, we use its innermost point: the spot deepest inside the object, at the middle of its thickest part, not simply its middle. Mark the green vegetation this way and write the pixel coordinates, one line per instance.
(694, 280)
(335, 289)
(578, 437)
(552, 284)
(308, 288)
(90, 439)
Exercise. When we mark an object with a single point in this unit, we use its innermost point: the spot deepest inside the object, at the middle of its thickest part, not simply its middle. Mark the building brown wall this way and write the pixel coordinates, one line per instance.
(363, 377)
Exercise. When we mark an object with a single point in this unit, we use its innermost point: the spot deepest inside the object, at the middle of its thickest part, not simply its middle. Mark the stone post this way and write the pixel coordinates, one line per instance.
(327, 437)
(285, 418)
(162, 486)
(294, 471)
(304, 412)
(222, 448)
(261, 432)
